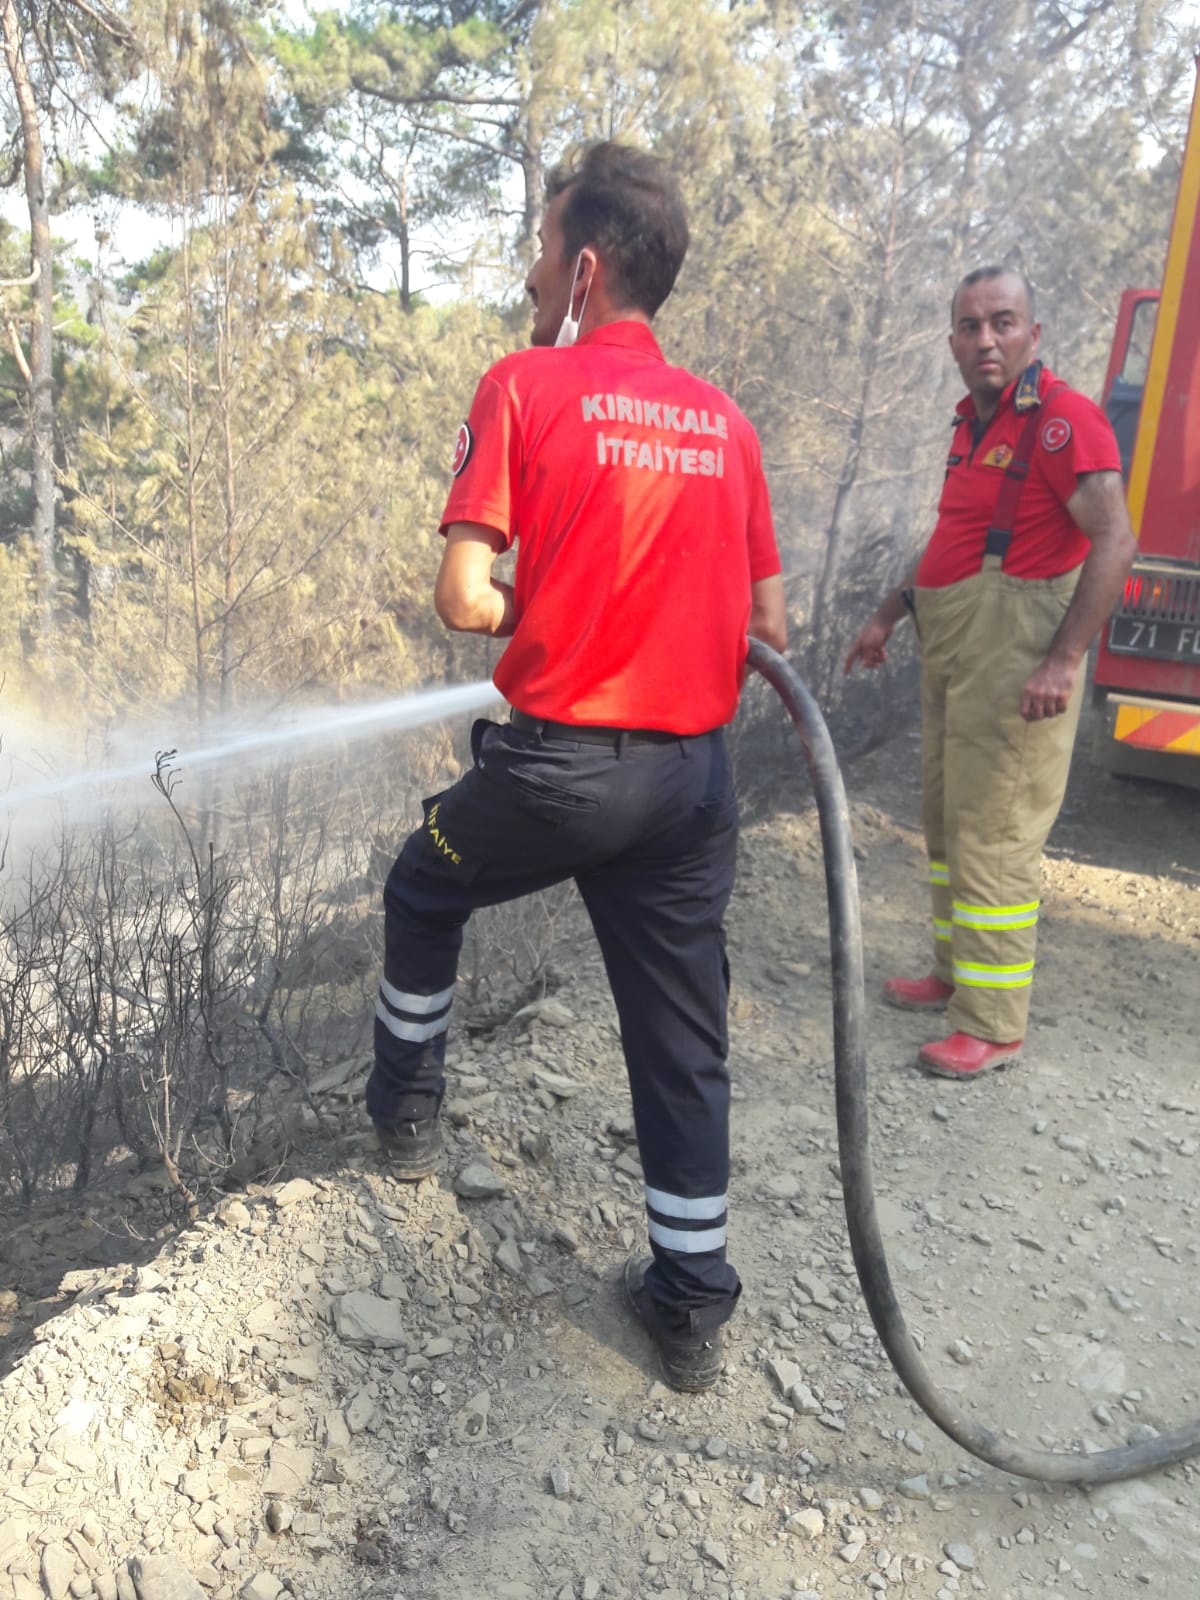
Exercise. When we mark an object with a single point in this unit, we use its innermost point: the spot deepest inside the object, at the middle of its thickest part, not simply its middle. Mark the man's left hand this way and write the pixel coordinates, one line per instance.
(1048, 690)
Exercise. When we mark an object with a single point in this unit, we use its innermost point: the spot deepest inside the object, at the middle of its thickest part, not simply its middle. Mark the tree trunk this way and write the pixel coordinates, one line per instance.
(195, 575)
(852, 457)
(41, 375)
(532, 179)
(406, 303)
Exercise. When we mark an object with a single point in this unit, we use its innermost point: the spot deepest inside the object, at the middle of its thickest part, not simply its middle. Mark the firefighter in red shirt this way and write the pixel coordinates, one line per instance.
(635, 496)
(1031, 546)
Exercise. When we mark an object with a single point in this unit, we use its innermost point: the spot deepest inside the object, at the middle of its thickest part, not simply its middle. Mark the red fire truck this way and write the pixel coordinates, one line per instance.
(1148, 665)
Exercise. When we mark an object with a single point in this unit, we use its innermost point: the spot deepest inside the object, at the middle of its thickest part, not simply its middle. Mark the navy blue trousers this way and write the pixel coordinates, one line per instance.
(648, 831)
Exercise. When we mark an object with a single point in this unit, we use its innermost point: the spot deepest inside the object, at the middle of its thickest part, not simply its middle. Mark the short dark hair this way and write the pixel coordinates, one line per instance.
(626, 204)
(980, 274)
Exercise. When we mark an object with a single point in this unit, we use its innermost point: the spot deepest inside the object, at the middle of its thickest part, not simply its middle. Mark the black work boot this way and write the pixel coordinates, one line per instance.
(690, 1361)
(410, 1148)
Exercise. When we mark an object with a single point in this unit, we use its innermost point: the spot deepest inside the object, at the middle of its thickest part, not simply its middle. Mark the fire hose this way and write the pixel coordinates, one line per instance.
(850, 1076)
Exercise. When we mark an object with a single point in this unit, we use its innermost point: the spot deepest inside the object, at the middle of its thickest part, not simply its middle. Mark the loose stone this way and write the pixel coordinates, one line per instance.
(508, 1258)
(713, 1550)
(470, 1425)
(163, 1578)
(477, 1182)
(58, 1569)
(263, 1586)
(361, 1318)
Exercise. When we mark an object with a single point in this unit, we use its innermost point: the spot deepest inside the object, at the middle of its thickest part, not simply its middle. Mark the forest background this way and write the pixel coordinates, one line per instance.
(223, 465)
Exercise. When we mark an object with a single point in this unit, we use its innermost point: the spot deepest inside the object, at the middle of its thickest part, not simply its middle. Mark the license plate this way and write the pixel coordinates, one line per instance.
(1171, 641)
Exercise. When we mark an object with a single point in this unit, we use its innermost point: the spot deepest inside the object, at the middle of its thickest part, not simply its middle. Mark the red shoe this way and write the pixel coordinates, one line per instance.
(962, 1055)
(918, 994)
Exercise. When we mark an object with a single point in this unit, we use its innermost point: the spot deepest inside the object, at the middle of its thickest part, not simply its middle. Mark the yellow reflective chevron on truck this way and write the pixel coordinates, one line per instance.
(1149, 728)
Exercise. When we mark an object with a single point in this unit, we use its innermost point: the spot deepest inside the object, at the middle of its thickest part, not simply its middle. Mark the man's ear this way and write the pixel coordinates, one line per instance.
(591, 272)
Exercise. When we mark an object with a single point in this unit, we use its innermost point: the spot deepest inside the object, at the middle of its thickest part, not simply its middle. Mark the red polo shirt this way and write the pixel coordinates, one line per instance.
(636, 498)
(1073, 437)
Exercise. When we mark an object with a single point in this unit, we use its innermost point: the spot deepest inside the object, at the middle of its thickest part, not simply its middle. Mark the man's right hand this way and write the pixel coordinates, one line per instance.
(869, 647)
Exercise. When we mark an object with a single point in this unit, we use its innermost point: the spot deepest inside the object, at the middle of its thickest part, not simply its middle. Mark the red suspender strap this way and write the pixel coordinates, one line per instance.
(999, 534)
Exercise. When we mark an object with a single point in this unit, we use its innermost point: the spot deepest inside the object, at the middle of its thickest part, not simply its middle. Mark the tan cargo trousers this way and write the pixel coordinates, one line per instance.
(993, 785)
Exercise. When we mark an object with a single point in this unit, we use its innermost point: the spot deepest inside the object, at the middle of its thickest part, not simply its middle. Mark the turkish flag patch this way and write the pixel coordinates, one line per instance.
(463, 447)
(1056, 434)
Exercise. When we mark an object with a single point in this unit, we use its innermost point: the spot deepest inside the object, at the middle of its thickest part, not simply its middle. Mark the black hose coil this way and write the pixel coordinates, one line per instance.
(850, 1070)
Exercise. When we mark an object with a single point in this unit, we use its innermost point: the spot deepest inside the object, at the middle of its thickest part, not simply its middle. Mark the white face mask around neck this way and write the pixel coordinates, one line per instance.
(568, 330)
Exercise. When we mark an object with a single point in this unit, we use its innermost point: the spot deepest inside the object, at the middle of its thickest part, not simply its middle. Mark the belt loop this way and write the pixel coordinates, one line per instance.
(622, 743)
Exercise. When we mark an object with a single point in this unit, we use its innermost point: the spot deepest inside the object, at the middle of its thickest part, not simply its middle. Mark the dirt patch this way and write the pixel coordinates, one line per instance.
(498, 1429)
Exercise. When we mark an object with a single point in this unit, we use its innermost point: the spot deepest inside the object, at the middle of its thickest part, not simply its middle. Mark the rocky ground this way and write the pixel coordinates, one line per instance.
(334, 1385)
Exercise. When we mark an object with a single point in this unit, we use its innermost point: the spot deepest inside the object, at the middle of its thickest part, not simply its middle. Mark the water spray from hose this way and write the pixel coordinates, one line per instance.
(248, 743)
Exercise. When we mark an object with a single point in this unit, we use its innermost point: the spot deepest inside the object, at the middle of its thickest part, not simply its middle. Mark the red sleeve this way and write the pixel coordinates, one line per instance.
(760, 528)
(1075, 437)
(487, 463)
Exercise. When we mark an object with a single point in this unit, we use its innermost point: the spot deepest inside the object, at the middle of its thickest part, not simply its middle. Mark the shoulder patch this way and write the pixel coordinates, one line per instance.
(463, 446)
(1056, 433)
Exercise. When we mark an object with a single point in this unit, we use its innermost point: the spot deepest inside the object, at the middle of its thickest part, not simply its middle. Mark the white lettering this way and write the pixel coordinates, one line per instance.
(613, 450)
(1186, 640)
(653, 414)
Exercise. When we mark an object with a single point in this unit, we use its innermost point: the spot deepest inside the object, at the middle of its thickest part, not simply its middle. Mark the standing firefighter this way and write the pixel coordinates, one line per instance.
(1030, 549)
(635, 496)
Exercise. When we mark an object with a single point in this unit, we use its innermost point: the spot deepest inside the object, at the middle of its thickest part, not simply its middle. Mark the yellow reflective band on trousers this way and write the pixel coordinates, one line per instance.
(992, 784)
(996, 916)
(978, 976)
